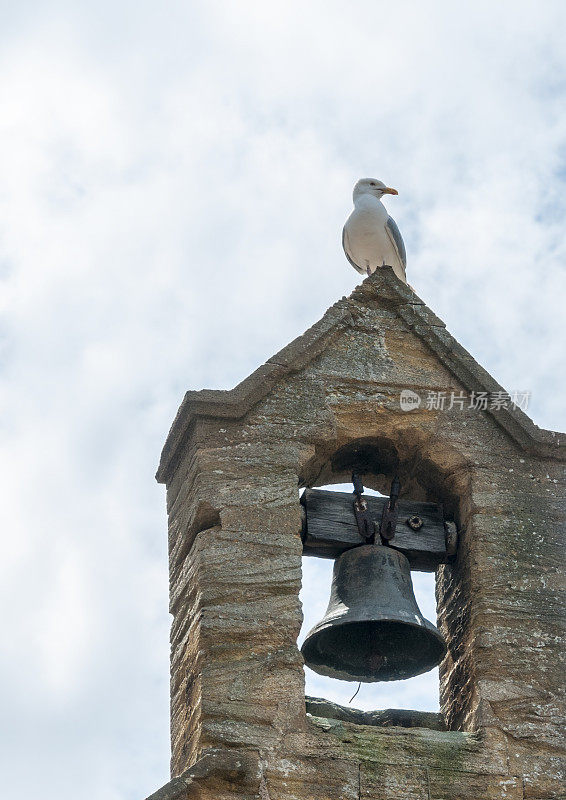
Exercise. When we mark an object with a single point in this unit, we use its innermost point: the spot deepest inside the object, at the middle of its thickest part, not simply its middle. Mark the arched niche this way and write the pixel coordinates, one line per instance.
(430, 469)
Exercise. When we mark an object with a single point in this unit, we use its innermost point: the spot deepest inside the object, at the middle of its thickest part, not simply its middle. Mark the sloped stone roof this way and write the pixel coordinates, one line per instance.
(381, 287)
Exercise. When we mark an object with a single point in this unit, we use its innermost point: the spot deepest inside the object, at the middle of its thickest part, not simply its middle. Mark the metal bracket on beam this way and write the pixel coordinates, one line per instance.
(330, 527)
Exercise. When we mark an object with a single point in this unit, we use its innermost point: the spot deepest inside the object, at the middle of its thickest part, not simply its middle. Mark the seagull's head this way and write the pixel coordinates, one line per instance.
(372, 186)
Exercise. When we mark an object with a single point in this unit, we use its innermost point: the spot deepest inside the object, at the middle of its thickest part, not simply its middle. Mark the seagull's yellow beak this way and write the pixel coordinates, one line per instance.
(389, 190)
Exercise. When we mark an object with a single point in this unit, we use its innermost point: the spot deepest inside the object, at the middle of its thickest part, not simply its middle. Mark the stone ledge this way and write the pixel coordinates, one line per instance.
(459, 751)
(391, 717)
(215, 770)
(175, 789)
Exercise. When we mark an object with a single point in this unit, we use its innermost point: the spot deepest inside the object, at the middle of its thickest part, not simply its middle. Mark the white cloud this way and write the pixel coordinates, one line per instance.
(172, 191)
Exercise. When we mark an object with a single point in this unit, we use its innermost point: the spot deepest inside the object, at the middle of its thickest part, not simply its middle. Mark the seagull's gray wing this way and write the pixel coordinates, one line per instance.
(345, 246)
(397, 240)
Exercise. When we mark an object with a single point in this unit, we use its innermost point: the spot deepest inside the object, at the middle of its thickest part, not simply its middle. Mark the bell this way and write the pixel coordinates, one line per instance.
(373, 629)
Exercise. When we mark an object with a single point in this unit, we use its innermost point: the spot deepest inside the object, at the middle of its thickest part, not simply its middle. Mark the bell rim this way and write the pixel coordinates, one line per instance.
(330, 672)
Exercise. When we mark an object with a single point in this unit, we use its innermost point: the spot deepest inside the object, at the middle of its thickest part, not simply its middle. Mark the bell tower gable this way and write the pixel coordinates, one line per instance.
(396, 334)
(380, 385)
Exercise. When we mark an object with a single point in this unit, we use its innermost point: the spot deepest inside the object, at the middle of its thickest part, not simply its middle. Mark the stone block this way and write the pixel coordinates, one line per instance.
(452, 785)
(291, 777)
(391, 782)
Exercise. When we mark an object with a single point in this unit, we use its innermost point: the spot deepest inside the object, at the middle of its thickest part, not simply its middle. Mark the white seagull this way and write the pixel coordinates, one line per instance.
(371, 238)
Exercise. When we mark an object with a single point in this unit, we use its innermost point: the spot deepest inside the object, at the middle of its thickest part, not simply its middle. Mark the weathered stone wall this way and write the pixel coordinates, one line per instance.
(234, 462)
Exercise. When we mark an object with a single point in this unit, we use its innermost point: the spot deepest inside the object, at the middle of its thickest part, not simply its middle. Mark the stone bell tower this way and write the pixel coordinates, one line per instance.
(233, 463)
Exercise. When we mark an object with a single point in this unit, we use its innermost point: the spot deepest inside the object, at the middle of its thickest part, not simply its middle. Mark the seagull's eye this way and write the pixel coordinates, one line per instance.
(372, 184)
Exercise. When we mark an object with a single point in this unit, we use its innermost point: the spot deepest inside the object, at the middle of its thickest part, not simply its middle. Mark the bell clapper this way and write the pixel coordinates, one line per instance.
(355, 693)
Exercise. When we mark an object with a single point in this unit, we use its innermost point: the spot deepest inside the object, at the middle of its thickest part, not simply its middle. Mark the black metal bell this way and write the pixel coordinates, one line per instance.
(373, 629)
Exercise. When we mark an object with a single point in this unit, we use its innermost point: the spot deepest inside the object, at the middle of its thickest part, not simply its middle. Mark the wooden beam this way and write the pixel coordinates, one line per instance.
(330, 528)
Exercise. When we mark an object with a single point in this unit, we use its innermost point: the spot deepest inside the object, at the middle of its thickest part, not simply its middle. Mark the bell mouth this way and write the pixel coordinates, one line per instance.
(371, 651)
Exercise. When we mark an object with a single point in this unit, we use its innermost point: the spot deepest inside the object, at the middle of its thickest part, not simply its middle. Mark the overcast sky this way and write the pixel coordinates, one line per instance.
(174, 179)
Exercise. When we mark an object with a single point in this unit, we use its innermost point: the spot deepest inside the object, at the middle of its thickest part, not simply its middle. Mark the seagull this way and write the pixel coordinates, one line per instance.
(371, 238)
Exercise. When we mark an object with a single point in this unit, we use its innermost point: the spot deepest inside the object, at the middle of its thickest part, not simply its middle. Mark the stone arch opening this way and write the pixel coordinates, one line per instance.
(430, 471)
(420, 693)
(429, 468)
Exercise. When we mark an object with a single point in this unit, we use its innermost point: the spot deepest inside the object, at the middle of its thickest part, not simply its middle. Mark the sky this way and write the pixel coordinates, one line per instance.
(174, 178)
